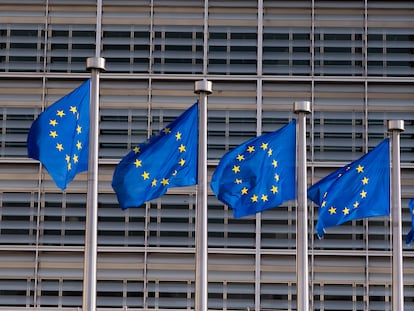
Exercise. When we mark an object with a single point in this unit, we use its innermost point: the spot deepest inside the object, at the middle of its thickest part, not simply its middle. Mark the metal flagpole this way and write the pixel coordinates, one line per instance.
(302, 274)
(95, 65)
(396, 127)
(203, 88)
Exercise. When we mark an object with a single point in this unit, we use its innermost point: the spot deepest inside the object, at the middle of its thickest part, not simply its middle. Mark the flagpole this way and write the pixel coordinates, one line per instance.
(302, 274)
(89, 270)
(203, 88)
(95, 65)
(396, 127)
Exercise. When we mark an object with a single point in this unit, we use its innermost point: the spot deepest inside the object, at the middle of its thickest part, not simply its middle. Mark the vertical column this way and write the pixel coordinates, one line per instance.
(259, 100)
(203, 88)
(95, 65)
(396, 127)
(258, 236)
(302, 271)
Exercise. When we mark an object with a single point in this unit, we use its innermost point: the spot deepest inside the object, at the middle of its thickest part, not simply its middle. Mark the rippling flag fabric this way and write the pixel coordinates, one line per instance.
(410, 235)
(59, 137)
(258, 174)
(166, 160)
(358, 190)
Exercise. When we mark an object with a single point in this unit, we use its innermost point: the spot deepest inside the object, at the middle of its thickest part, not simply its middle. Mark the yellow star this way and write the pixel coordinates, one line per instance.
(323, 204)
(360, 168)
(240, 157)
(244, 191)
(250, 149)
(53, 122)
(345, 211)
(264, 146)
(363, 194)
(325, 194)
(274, 189)
(356, 204)
(332, 210)
(59, 147)
(181, 162)
(69, 166)
(178, 136)
(154, 182)
(73, 109)
(136, 149)
(264, 197)
(79, 145)
(182, 148)
(164, 182)
(67, 158)
(277, 177)
(254, 198)
(270, 152)
(138, 163)
(53, 134)
(166, 130)
(236, 169)
(365, 181)
(79, 129)
(75, 158)
(238, 181)
(145, 175)
(274, 163)
(60, 113)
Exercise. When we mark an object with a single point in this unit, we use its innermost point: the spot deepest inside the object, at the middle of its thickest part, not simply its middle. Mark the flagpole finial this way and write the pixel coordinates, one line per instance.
(95, 63)
(302, 106)
(396, 125)
(203, 86)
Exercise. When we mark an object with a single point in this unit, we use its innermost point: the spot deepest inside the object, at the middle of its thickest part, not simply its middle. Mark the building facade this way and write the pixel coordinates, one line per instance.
(353, 60)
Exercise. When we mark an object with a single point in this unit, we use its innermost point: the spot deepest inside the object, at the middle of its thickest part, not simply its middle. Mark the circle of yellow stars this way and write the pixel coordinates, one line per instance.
(71, 158)
(362, 194)
(146, 175)
(237, 170)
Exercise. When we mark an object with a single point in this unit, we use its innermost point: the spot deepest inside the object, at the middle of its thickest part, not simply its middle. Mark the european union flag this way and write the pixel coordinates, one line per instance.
(258, 174)
(59, 137)
(358, 190)
(166, 160)
(410, 235)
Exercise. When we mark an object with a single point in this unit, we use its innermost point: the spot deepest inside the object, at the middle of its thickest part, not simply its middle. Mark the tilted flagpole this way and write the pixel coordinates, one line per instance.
(203, 88)
(396, 127)
(95, 65)
(302, 272)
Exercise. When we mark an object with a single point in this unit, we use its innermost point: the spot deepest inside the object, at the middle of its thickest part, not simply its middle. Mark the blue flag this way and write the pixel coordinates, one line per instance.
(59, 137)
(258, 174)
(358, 190)
(166, 160)
(410, 235)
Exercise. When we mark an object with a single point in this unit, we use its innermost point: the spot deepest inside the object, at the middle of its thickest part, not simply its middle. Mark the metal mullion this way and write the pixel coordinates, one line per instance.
(365, 120)
(312, 157)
